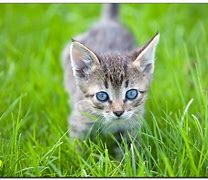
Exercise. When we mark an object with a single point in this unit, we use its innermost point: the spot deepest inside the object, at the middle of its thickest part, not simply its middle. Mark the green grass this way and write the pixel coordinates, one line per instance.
(34, 106)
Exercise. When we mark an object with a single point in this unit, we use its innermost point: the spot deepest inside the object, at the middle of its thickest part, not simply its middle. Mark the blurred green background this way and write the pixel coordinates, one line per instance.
(34, 104)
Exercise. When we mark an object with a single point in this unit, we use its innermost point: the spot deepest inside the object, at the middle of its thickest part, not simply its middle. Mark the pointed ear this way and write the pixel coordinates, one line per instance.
(145, 59)
(83, 60)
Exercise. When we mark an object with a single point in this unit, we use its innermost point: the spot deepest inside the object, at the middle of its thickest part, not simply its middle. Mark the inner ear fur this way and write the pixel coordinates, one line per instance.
(82, 59)
(146, 55)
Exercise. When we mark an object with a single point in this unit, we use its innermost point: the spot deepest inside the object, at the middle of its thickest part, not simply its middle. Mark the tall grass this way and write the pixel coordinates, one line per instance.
(34, 106)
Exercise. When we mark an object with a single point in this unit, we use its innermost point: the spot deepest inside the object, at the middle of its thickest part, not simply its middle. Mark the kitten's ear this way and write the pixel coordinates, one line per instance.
(145, 59)
(82, 59)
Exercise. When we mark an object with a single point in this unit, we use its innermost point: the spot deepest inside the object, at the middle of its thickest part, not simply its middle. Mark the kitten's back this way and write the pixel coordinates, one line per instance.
(108, 34)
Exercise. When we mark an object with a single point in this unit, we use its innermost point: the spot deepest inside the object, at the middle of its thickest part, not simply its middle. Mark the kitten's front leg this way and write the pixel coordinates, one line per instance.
(132, 138)
(79, 125)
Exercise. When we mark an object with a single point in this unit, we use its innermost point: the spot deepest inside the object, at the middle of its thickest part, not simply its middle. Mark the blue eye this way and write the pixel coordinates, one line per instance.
(131, 94)
(102, 96)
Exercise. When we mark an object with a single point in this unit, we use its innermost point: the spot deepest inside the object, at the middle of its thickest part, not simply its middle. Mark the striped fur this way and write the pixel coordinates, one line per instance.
(106, 58)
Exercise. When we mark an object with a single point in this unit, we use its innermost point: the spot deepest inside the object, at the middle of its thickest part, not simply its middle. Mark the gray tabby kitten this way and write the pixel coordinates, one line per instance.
(107, 78)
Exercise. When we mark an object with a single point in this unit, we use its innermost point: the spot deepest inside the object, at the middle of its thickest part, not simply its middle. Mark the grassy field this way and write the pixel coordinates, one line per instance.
(34, 105)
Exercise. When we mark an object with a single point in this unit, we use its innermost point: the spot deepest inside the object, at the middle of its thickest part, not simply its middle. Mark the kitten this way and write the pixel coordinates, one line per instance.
(107, 78)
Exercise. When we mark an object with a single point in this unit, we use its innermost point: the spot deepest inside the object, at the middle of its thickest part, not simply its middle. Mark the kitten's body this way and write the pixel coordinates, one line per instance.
(110, 66)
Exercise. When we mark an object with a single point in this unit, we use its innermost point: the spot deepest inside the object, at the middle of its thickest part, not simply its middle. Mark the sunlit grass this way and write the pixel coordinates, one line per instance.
(34, 106)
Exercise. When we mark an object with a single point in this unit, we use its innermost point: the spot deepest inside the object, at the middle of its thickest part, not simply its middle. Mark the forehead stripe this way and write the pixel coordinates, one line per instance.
(106, 84)
(125, 68)
(126, 83)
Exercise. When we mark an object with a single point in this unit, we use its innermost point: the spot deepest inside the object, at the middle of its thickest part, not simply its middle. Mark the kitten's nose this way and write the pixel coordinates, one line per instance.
(118, 113)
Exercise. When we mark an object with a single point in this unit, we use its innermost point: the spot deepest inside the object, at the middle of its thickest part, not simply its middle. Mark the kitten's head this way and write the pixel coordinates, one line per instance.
(114, 85)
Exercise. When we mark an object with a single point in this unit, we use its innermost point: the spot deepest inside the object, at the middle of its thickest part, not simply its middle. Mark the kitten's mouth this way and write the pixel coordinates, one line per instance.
(119, 118)
(113, 118)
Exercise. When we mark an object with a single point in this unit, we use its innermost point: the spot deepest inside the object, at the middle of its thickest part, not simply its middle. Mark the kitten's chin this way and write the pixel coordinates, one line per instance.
(113, 124)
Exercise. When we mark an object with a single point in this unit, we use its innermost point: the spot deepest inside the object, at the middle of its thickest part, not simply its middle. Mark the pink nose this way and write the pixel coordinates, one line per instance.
(118, 113)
